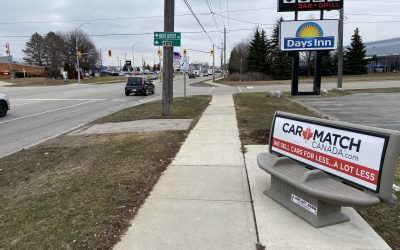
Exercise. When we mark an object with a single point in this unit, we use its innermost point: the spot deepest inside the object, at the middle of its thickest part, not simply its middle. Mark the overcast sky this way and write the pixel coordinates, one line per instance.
(21, 18)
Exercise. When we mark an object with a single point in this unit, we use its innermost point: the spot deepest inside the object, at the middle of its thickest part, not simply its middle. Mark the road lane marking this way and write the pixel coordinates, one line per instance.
(58, 99)
(209, 92)
(250, 87)
(22, 104)
(46, 112)
(240, 90)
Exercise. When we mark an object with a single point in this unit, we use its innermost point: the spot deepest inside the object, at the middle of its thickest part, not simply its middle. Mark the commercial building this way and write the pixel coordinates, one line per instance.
(7, 65)
(384, 55)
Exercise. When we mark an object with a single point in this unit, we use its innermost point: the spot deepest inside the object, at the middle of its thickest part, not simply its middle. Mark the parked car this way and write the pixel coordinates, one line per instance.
(4, 105)
(139, 85)
(205, 73)
(192, 75)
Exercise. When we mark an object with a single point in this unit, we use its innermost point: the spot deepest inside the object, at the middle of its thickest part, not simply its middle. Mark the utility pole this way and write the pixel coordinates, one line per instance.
(213, 67)
(225, 69)
(340, 52)
(101, 61)
(77, 56)
(168, 83)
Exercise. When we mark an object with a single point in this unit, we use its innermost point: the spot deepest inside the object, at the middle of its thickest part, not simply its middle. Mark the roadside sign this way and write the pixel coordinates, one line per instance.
(128, 63)
(185, 63)
(167, 39)
(306, 5)
(309, 35)
(352, 154)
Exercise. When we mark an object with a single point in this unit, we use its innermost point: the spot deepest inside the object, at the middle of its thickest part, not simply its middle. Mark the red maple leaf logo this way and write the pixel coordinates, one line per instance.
(308, 134)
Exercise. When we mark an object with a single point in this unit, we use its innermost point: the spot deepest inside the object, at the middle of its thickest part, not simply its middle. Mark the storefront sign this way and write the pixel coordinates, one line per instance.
(309, 35)
(306, 5)
(353, 155)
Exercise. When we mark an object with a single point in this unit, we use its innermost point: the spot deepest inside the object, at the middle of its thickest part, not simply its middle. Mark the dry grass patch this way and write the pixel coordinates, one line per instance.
(80, 192)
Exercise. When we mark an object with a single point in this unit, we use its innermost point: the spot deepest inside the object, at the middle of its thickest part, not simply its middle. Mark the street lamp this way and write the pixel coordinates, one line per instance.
(77, 49)
(133, 57)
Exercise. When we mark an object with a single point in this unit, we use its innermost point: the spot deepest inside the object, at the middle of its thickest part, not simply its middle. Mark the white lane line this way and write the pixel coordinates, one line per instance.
(240, 90)
(46, 112)
(250, 87)
(209, 92)
(58, 99)
(22, 104)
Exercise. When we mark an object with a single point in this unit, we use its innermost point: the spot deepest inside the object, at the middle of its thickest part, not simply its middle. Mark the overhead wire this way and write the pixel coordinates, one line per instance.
(213, 17)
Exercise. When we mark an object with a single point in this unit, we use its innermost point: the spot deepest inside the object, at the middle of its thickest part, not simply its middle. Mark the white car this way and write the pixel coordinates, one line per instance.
(4, 105)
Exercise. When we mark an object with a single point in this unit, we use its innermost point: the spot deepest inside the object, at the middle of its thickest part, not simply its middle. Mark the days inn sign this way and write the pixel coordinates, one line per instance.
(310, 35)
(306, 5)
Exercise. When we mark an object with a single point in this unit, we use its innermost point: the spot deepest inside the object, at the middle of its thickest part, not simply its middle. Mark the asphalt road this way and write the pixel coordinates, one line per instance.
(377, 110)
(39, 113)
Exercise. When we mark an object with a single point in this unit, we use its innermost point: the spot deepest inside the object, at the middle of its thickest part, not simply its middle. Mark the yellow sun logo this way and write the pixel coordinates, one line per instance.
(309, 30)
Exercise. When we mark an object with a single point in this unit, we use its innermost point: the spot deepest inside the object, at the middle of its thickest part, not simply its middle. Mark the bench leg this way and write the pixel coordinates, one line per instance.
(316, 212)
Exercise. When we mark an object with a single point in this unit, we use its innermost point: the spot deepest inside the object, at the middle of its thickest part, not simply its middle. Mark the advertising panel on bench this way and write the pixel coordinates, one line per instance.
(353, 155)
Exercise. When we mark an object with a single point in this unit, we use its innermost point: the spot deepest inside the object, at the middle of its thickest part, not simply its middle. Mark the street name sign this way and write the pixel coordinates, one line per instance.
(310, 35)
(306, 5)
(167, 39)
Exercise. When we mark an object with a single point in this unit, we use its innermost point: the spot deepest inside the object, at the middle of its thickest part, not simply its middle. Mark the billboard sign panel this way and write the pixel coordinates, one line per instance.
(348, 153)
(309, 35)
(306, 5)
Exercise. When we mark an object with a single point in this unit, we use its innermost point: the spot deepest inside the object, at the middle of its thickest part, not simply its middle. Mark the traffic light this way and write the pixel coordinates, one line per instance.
(159, 52)
(109, 53)
(212, 52)
(184, 52)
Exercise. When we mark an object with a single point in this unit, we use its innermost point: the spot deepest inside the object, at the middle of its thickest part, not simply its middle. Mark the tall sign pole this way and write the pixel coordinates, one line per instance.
(340, 52)
(168, 71)
(213, 67)
(225, 68)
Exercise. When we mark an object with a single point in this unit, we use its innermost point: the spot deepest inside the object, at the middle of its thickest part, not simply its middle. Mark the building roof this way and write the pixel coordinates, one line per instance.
(386, 47)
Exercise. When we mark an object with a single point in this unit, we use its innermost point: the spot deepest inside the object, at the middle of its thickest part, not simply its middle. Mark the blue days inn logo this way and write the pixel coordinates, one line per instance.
(309, 35)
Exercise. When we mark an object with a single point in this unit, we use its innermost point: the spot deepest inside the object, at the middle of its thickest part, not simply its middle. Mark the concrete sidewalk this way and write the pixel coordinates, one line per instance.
(202, 200)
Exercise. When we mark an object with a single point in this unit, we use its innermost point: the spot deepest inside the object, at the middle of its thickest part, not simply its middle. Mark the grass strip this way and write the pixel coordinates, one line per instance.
(80, 192)
(184, 108)
(255, 113)
(42, 81)
(378, 77)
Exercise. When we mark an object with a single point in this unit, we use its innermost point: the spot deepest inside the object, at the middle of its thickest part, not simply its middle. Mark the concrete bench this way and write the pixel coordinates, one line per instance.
(317, 166)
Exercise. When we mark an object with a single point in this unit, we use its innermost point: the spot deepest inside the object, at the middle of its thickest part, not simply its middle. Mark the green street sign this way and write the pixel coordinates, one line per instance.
(167, 39)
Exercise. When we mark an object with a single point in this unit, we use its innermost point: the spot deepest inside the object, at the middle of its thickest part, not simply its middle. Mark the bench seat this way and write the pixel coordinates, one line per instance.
(317, 183)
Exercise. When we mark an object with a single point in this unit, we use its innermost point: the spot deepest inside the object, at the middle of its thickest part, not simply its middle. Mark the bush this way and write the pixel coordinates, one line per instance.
(19, 74)
(250, 77)
(53, 73)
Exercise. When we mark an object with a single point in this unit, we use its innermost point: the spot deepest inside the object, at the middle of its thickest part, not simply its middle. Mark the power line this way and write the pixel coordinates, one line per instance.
(213, 16)
(197, 19)
(243, 21)
(123, 18)
(220, 9)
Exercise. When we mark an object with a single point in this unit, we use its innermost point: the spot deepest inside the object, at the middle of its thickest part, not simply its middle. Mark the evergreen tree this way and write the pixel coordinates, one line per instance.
(354, 60)
(328, 64)
(233, 59)
(70, 68)
(53, 46)
(281, 67)
(34, 50)
(265, 64)
(256, 55)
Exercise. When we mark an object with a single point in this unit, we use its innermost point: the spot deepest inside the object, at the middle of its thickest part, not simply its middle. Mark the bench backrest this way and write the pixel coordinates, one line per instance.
(364, 157)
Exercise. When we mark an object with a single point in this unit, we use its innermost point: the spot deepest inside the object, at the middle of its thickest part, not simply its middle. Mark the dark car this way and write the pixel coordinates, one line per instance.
(192, 75)
(139, 85)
